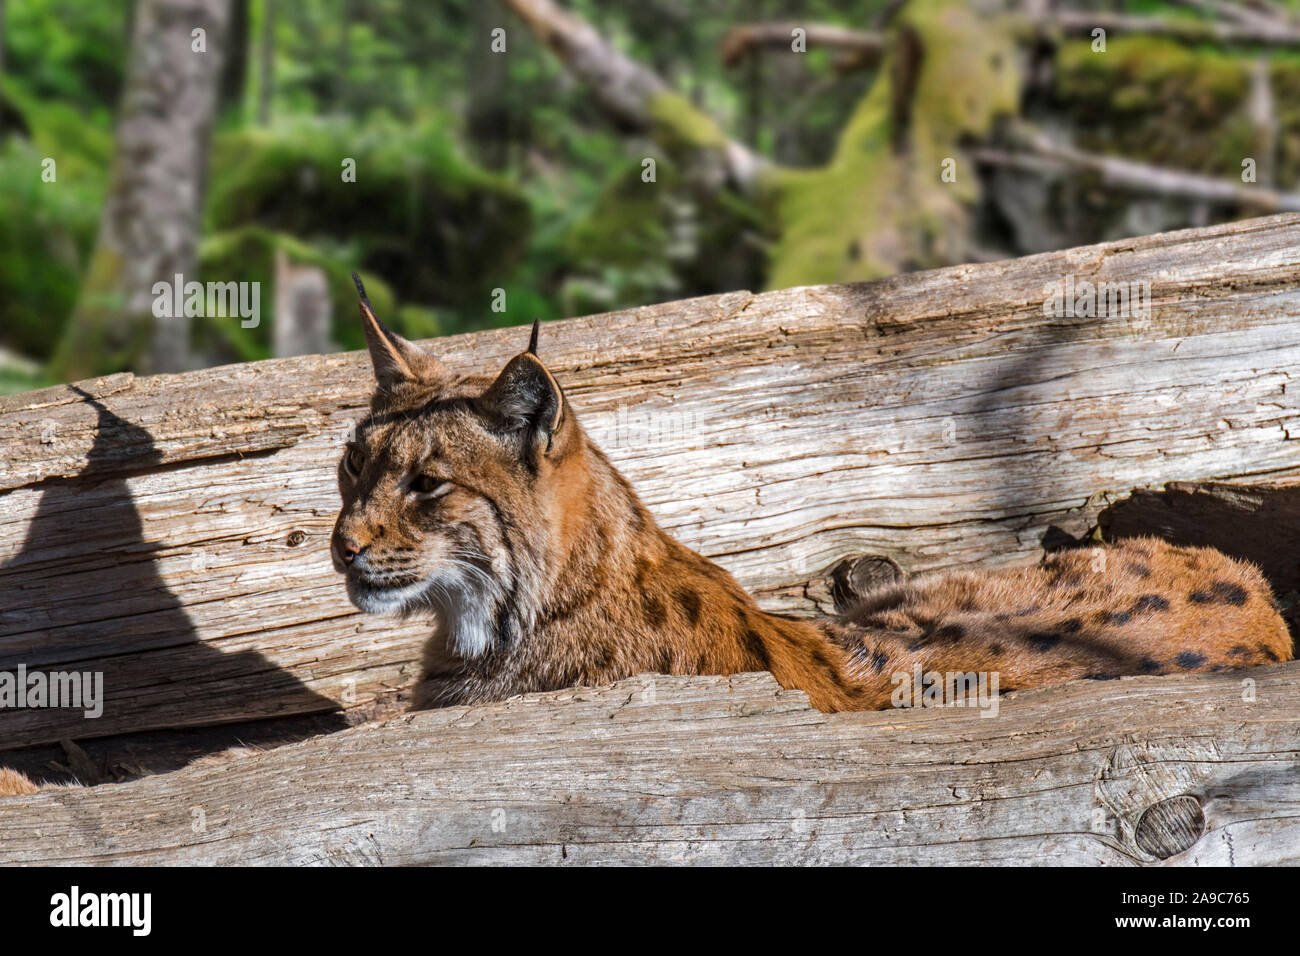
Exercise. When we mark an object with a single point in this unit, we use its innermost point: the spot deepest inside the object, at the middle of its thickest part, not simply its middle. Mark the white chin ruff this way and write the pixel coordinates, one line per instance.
(387, 600)
(468, 630)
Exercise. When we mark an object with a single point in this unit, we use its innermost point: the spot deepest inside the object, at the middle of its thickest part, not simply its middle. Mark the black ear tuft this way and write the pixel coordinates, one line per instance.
(525, 398)
(532, 339)
(361, 293)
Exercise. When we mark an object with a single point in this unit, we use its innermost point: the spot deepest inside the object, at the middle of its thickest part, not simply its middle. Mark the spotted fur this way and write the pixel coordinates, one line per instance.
(483, 501)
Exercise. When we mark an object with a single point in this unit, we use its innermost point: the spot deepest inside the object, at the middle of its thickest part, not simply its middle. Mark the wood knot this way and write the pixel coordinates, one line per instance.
(1170, 826)
(854, 578)
(296, 538)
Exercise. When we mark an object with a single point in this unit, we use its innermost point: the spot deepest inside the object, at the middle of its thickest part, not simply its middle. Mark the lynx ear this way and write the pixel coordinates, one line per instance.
(526, 398)
(394, 358)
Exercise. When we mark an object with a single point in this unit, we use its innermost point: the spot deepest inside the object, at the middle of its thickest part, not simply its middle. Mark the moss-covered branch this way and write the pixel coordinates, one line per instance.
(637, 98)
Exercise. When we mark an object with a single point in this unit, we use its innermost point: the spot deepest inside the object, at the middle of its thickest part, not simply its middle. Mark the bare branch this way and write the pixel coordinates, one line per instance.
(1038, 153)
(1253, 13)
(1260, 33)
(866, 47)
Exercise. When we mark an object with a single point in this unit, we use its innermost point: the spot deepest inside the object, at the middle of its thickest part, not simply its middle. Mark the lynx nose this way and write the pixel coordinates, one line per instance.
(347, 549)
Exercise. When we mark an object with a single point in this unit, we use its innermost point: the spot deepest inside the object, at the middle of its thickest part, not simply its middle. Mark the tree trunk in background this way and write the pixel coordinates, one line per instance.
(149, 229)
(1261, 107)
(234, 69)
(266, 87)
(301, 325)
(489, 111)
(754, 101)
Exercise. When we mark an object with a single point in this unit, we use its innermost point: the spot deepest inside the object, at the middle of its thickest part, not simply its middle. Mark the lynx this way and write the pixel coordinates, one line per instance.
(483, 501)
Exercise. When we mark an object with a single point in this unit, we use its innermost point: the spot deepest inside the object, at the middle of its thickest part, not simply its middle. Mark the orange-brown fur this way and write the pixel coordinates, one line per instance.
(544, 570)
(13, 783)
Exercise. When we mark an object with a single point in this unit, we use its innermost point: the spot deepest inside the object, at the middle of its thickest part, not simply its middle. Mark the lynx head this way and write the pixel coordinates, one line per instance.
(453, 486)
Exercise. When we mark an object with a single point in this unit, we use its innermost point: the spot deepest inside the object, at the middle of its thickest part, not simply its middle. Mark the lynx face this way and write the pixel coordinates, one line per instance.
(444, 484)
(417, 522)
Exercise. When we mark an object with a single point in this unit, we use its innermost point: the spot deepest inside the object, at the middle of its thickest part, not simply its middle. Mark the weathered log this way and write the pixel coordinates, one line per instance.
(171, 532)
(1181, 770)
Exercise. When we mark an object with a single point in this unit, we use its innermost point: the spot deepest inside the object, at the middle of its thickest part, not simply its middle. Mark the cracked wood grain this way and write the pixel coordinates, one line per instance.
(725, 770)
(172, 531)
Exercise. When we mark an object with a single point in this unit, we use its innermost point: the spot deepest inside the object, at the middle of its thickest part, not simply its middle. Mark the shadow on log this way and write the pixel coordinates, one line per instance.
(86, 538)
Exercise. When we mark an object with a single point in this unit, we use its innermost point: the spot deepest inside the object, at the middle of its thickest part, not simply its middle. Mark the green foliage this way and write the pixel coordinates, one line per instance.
(563, 222)
(566, 226)
(438, 228)
(68, 51)
(14, 380)
(247, 254)
(46, 232)
(77, 138)
(647, 242)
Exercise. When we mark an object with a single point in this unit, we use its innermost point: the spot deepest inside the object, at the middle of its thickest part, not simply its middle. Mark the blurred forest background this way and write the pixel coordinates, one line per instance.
(793, 143)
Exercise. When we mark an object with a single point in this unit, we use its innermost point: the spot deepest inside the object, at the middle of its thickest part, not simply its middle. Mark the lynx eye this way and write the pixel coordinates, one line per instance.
(353, 461)
(427, 486)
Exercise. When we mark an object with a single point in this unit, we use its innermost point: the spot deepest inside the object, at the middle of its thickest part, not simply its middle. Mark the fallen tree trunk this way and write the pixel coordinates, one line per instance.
(171, 533)
(1178, 770)
(637, 98)
(1263, 31)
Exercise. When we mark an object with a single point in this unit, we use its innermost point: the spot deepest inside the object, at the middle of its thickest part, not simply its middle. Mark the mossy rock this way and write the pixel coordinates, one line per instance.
(1155, 100)
(440, 229)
